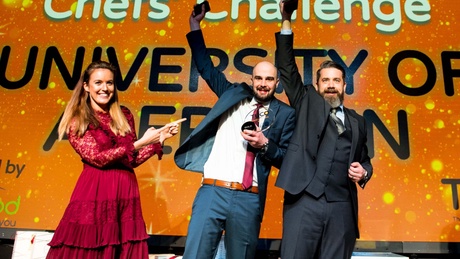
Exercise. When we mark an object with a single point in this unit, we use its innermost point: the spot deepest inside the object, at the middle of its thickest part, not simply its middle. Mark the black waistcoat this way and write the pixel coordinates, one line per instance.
(331, 176)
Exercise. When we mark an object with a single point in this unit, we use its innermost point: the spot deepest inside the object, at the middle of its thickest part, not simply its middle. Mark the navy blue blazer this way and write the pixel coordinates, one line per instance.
(194, 152)
(312, 113)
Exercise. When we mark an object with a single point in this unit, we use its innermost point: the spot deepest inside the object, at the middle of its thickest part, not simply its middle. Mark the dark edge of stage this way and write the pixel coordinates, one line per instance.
(269, 248)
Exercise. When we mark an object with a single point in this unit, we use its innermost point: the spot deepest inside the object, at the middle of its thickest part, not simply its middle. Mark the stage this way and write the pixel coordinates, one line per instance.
(26, 244)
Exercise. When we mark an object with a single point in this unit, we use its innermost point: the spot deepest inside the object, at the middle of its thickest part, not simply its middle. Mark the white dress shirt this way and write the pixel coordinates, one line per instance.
(228, 154)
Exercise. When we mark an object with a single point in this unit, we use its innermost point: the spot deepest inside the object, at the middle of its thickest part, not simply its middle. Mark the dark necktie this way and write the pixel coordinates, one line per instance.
(250, 154)
(338, 122)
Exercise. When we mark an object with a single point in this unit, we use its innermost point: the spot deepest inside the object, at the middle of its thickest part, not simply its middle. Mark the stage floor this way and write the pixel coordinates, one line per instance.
(356, 255)
(33, 244)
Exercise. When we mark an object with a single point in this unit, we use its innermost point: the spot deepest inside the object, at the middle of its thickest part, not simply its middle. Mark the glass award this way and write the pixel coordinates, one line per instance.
(267, 116)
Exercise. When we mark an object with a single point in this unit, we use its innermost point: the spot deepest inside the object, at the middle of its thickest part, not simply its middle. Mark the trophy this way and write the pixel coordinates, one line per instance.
(267, 116)
(290, 5)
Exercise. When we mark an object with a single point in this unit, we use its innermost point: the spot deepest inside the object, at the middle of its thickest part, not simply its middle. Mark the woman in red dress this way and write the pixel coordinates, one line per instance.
(104, 216)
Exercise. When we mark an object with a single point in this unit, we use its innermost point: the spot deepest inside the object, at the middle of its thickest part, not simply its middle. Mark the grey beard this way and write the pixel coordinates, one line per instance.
(334, 101)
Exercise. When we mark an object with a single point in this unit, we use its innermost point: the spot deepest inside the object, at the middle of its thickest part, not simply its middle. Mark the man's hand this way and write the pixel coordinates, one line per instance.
(194, 21)
(356, 172)
(286, 9)
(255, 138)
(286, 14)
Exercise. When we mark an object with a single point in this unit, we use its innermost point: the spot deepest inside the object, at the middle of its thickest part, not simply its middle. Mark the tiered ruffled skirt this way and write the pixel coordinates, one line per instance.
(103, 219)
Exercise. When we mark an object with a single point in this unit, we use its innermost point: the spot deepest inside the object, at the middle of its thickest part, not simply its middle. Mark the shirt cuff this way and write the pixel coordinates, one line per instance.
(286, 32)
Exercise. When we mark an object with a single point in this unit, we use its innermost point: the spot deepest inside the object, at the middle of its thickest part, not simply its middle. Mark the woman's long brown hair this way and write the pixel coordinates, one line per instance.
(79, 114)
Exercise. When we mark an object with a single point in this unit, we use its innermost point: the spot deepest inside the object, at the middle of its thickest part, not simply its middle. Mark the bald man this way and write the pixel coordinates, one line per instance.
(235, 162)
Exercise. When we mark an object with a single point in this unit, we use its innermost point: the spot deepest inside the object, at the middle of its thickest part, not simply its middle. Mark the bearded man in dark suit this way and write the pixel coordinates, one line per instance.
(327, 158)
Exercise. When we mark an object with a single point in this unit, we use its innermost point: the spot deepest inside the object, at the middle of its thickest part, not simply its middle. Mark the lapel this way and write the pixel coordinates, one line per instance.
(327, 111)
(272, 114)
(325, 115)
(318, 113)
(354, 132)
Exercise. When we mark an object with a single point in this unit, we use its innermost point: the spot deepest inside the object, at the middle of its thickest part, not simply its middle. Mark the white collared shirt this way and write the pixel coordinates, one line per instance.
(228, 154)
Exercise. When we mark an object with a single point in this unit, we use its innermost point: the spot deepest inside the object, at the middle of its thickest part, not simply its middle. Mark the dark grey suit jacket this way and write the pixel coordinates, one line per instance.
(312, 113)
(194, 152)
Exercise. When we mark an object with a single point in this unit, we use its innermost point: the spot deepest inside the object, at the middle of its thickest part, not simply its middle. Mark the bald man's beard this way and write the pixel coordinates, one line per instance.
(265, 98)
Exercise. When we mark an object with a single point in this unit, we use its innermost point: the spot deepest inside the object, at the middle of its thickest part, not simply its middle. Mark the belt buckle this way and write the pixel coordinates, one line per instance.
(232, 186)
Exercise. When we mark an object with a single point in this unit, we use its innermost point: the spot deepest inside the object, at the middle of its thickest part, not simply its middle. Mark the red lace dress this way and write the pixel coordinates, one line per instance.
(104, 216)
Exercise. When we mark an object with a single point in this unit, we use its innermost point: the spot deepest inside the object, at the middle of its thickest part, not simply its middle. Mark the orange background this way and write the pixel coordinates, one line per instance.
(404, 201)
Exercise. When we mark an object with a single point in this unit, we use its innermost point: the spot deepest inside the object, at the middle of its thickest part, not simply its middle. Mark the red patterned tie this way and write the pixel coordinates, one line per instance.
(250, 154)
